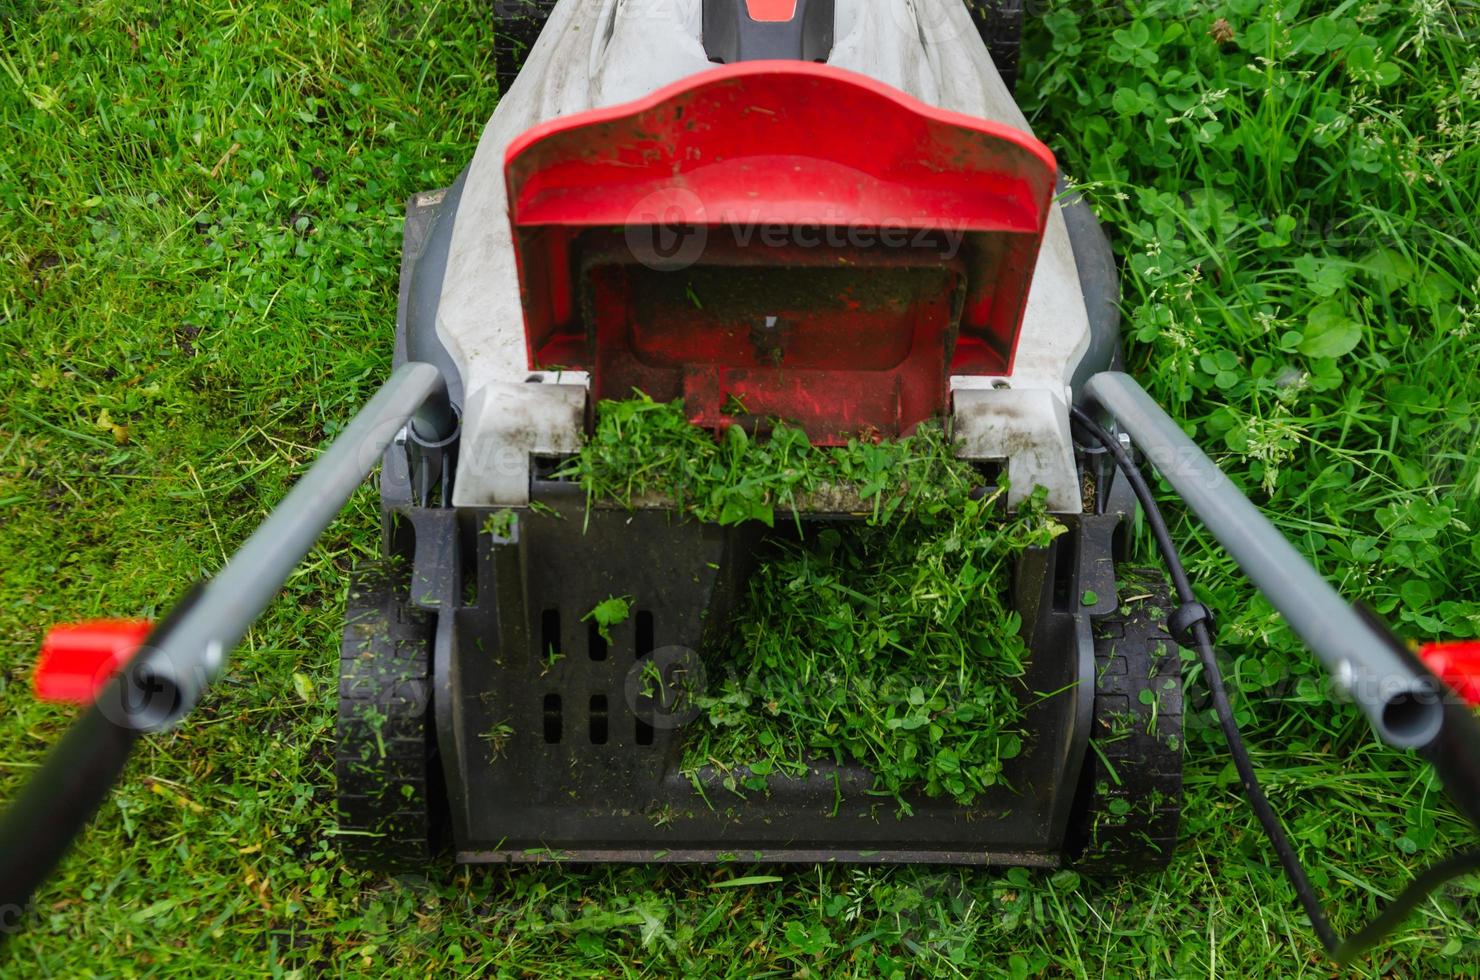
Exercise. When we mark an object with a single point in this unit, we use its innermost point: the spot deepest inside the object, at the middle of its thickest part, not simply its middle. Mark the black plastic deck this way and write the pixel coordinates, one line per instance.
(587, 771)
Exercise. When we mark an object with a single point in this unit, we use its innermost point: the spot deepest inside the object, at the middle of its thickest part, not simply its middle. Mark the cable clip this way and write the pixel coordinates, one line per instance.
(1186, 616)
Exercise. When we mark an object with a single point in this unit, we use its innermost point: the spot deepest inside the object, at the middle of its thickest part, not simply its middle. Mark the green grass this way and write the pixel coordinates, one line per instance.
(199, 222)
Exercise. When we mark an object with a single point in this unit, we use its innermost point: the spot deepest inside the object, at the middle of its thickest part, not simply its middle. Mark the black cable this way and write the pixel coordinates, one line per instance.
(1204, 642)
(1398, 909)
(1343, 951)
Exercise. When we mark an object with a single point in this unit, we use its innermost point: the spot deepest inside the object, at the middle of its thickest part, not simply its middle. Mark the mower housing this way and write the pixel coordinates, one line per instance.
(856, 245)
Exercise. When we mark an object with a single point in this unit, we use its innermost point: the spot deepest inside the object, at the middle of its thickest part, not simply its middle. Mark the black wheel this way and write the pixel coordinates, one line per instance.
(389, 782)
(519, 23)
(1130, 795)
(1000, 23)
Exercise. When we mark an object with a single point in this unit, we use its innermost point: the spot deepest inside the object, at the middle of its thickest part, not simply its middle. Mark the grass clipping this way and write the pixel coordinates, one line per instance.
(886, 641)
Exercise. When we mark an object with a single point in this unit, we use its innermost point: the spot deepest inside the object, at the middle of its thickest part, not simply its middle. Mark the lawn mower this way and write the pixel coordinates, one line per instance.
(827, 212)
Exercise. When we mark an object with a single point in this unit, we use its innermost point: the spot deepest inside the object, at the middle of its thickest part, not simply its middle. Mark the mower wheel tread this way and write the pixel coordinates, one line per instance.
(519, 25)
(384, 751)
(1131, 791)
(1000, 23)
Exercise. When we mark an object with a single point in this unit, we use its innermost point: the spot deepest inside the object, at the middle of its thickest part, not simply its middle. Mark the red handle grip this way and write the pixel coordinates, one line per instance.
(1458, 665)
(78, 659)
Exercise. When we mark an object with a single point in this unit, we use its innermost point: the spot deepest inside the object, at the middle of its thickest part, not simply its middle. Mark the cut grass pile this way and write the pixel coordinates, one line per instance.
(200, 210)
(886, 641)
(887, 645)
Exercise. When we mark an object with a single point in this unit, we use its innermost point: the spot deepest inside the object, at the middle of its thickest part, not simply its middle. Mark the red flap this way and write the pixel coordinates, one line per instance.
(778, 165)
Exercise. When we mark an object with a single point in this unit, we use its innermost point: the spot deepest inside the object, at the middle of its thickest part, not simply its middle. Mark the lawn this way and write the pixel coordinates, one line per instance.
(200, 214)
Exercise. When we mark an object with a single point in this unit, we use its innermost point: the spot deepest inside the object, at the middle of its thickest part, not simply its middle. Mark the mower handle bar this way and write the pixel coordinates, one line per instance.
(168, 677)
(166, 681)
(188, 648)
(1404, 702)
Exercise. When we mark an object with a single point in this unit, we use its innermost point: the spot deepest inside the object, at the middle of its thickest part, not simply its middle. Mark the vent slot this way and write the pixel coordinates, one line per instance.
(644, 633)
(595, 642)
(554, 723)
(644, 733)
(598, 719)
(550, 633)
(542, 469)
(472, 553)
(1065, 572)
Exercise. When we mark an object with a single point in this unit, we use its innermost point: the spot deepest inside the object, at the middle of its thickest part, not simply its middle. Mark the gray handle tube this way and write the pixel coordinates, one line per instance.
(1401, 703)
(164, 682)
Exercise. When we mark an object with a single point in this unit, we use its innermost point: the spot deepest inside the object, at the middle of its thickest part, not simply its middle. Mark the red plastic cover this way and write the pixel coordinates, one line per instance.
(778, 239)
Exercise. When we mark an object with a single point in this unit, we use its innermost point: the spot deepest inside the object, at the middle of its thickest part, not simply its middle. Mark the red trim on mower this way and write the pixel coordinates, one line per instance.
(778, 239)
(79, 659)
(1458, 665)
(771, 11)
